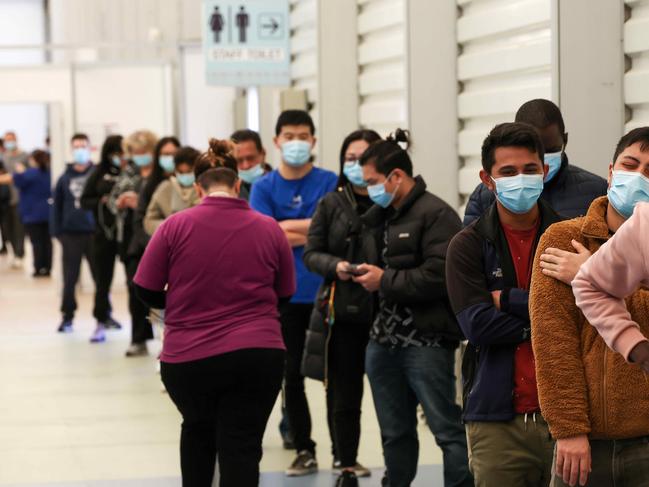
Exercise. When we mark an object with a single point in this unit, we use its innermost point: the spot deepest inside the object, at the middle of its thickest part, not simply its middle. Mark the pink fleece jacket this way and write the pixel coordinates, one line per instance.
(614, 272)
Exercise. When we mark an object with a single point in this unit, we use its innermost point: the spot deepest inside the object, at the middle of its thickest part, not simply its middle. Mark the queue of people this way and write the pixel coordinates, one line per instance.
(268, 276)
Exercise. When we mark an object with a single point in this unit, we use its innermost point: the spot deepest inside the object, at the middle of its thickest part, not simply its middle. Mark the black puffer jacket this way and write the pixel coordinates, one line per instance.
(335, 235)
(99, 185)
(418, 234)
(569, 193)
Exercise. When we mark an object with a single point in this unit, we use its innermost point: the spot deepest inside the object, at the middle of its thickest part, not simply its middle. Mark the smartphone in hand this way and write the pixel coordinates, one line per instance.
(355, 271)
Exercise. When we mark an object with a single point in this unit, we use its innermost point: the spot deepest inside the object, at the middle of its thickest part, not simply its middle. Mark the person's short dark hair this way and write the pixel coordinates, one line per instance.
(369, 136)
(186, 155)
(541, 113)
(247, 135)
(217, 165)
(510, 135)
(388, 155)
(112, 145)
(294, 117)
(639, 135)
(79, 136)
(42, 159)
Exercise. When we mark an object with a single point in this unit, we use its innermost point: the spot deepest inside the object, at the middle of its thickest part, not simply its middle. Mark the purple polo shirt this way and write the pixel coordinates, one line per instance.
(224, 266)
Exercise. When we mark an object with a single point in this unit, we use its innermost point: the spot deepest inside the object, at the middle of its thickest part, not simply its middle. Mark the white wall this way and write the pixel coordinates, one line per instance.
(123, 98)
(22, 22)
(128, 29)
(206, 111)
(28, 120)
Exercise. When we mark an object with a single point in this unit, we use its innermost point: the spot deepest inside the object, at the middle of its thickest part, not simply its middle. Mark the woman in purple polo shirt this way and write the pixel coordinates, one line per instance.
(225, 268)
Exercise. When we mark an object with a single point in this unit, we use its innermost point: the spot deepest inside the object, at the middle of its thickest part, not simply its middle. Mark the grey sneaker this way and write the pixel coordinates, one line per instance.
(137, 350)
(99, 335)
(304, 464)
(359, 469)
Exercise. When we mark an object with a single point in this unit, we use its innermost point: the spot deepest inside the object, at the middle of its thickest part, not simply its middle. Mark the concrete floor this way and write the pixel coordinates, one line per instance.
(76, 414)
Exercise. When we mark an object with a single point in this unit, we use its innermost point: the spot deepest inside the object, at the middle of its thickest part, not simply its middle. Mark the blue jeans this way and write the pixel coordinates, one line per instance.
(402, 378)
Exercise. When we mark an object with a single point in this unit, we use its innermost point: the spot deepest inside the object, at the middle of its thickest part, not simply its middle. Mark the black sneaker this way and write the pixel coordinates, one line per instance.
(304, 464)
(347, 479)
(137, 350)
(65, 327)
(112, 324)
(385, 482)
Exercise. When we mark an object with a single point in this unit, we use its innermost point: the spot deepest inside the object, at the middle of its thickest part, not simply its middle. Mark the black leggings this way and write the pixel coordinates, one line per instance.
(225, 402)
(39, 234)
(105, 253)
(141, 329)
(295, 322)
(345, 388)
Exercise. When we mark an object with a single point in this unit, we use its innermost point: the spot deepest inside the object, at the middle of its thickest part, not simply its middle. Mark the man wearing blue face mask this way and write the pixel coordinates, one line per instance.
(567, 188)
(290, 194)
(13, 230)
(488, 273)
(601, 431)
(410, 357)
(251, 159)
(73, 225)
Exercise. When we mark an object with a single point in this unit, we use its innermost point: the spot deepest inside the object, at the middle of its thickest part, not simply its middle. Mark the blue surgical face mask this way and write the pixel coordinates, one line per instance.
(296, 153)
(251, 175)
(628, 189)
(10, 145)
(379, 195)
(116, 160)
(186, 179)
(354, 172)
(167, 163)
(553, 160)
(519, 193)
(81, 155)
(142, 160)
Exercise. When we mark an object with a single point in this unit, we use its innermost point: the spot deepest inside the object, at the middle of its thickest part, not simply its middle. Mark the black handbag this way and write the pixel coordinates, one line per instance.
(314, 358)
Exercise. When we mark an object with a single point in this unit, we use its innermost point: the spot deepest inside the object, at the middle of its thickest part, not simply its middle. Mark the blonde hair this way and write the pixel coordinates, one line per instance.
(140, 140)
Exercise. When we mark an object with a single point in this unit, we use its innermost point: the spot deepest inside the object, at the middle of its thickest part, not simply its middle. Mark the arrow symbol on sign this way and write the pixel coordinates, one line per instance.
(273, 26)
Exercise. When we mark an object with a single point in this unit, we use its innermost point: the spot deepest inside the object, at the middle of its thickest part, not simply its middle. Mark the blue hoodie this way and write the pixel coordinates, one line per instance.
(35, 192)
(68, 216)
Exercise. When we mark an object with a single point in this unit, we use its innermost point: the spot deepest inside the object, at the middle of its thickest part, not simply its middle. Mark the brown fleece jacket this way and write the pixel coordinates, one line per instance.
(584, 387)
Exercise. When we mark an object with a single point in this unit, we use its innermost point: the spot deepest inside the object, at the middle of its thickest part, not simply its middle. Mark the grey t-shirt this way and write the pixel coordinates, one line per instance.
(10, 162)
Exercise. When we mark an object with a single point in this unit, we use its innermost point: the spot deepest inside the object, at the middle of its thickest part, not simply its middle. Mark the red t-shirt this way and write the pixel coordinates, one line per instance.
(521, 247)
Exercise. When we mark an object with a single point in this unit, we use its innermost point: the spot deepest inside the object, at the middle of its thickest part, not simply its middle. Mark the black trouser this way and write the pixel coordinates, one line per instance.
(141, 330)
(346, 366)
(15, 230)
(105, 252)
(75, 248)
(39, 235)
(225, 402)
(295, 322)
(4, 232)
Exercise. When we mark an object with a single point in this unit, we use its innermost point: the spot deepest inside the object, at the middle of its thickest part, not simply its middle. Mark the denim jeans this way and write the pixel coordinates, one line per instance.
(400, 379)
(615, 463)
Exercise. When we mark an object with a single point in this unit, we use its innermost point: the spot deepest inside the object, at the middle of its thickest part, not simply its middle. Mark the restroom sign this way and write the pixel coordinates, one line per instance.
(247, 42)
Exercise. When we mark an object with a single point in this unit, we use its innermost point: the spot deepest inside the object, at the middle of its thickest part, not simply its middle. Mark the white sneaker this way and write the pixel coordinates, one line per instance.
(17, 263)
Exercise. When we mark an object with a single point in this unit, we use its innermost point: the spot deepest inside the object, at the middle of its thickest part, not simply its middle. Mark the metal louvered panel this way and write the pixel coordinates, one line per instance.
(382, 64)
(304, 48)
(504, 59)
(636, 79)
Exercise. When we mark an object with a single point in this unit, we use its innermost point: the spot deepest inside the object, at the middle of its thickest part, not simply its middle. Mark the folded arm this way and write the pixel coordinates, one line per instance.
(613, 273)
